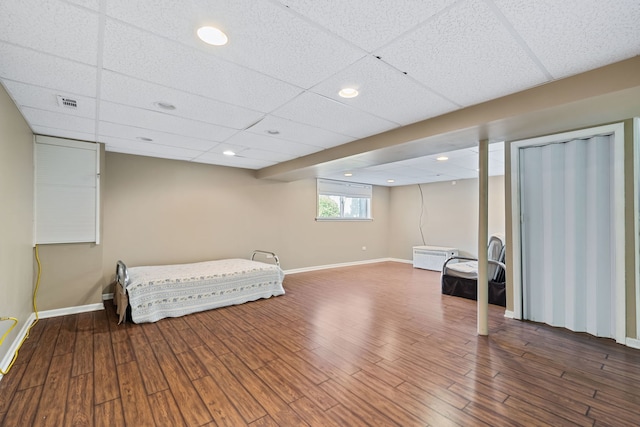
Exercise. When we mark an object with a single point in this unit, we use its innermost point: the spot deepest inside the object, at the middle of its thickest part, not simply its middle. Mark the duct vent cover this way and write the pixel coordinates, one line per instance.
(63, 101)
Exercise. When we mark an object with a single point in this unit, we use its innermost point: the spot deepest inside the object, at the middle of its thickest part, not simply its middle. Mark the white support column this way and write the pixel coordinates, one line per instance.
(483, 238)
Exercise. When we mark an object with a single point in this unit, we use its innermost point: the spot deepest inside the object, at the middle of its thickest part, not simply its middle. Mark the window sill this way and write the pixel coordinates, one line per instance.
(343, 219)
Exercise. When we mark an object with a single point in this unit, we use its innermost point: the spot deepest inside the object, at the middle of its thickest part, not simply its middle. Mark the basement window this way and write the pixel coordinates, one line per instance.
(343, 201)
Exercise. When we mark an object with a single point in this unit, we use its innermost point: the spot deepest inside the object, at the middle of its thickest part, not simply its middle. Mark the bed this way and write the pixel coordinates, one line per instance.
(151, 293)
(460, 275)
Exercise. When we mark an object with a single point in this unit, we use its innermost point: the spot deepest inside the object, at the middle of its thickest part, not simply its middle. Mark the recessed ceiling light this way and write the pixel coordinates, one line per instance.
(165, 105)
(144, 138)
(212, 35)
(228, 153)
(348, 174)
(391, 181)
(273, 132)
(348, 92)
(442, 158)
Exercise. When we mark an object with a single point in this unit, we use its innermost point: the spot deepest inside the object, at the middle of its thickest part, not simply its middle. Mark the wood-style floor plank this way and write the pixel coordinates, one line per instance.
(66, 336)
(23, 408)
(165, 410)
(135, 403)
(9, 384)
(244, 401)
(223, 411)
(152, 375)
(104, 367)
(109, 414)
(274, 405)
(191, 406)
(41, 358)
(80, 401)
(50, 411)
(371, 345)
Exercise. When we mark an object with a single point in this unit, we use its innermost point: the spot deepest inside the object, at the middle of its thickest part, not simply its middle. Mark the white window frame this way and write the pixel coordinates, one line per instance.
(343, 189)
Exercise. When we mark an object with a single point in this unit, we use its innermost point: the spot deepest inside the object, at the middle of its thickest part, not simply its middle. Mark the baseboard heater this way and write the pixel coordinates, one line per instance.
(432, 257)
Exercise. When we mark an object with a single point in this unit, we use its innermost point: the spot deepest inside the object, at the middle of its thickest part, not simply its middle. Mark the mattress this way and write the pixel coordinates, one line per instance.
(156, 292)
(466, 270)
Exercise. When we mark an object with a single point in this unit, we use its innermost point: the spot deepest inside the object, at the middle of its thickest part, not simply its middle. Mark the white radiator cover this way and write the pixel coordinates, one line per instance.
(432, 257)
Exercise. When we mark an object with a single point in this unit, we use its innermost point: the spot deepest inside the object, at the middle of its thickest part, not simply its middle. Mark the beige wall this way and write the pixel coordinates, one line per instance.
(165, 211)
(16, 219)
(449, 216)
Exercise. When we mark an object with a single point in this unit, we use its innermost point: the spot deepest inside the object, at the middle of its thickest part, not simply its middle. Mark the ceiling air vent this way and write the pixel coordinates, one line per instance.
(63, 101)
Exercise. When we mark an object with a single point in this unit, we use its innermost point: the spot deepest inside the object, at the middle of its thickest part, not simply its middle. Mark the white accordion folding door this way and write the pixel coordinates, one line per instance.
(568, 234)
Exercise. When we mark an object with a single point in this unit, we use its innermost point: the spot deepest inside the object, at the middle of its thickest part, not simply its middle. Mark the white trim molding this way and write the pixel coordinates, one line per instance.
(70, 310)
(106, 297)
(344, 264)
(633, 343)
(509, 314)
(8, 357)
(636, 214)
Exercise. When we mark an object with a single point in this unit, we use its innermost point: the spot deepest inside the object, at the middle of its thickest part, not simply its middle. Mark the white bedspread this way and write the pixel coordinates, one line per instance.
(163, 291)
(467, 270)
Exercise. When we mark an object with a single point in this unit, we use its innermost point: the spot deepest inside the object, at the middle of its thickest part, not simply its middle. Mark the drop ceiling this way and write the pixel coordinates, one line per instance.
(271, 94)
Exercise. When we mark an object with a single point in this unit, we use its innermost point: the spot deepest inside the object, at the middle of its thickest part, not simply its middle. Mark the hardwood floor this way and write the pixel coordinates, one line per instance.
(369, 345)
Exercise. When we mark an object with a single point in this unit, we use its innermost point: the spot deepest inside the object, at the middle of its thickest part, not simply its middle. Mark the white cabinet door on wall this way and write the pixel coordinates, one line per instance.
(67, 193)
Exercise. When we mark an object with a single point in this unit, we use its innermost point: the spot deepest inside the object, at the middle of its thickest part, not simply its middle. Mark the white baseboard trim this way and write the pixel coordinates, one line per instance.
(633, 343)
(106, 297)
(70, 310)
(404, 261)
(8, 357)
(509, 314)
(345, 264)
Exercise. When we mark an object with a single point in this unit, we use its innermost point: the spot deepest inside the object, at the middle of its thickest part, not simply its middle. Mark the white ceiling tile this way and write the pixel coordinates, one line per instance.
(56, 120)
(63, 133)
(268, 143)
(467, 162)
(138, 147)
(445, 177)
(271, 156)
(454, 51)
(158, 60)
(318, 111)
(162, 122)
(368, 23)
(137, 93)
(359, 176)
(385, 92)
(233, 161)
(51, 26)
(28, 66)
(133, 133)
(154, 154)
(262, 35)
(89, 4)
(592, 33)
(299, 132)
(467, 54)
(41, 98)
